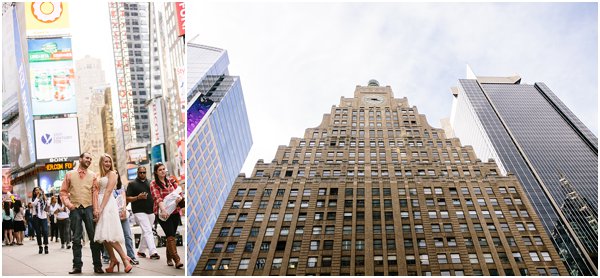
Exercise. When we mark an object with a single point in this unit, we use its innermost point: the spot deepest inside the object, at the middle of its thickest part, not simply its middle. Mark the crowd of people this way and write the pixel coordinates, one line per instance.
(98, 204)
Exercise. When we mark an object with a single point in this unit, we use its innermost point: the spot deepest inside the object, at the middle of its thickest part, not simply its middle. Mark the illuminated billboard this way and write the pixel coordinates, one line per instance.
(137, 156)
(46, 19)
(52, 88)
(57, 138)
(46, 50)
(51, 180)
(6, 179)
(197, 112)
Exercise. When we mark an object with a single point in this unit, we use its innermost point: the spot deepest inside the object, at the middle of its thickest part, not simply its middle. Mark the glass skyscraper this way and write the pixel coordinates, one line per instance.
(219, 140)
(529, 132)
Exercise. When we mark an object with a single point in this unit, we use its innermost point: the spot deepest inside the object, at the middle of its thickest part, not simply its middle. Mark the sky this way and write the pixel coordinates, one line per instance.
(295, 60)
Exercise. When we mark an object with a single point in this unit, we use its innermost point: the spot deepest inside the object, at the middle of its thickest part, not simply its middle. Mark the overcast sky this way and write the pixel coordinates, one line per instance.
(296, 60)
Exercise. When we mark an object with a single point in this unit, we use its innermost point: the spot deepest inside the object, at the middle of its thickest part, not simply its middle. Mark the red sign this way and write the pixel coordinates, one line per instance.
(180, 9)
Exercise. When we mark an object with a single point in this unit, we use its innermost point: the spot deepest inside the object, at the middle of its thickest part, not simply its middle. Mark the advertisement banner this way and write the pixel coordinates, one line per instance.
(46, 19)
(180, 9)
(24, 151)
(49, 181)
(57, 138)
(157, 129)
(6, 186)
(46, 50)
(52, 88)
(137, 156)
(158, 154)
(197, 111)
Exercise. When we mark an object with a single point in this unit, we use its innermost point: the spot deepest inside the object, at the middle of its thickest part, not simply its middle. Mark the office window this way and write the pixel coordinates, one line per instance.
(225, 264)
(211, 264)
(244, 264)
(312, 262)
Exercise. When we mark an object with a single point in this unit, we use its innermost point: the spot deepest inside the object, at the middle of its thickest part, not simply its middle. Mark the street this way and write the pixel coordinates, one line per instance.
(24, 260)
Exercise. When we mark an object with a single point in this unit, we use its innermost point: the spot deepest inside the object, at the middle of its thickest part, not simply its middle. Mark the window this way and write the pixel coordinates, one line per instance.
(473, 259)
(455, 258)
(276, 263)
(237, 231)
(293, 263)
(249, 247)
(312, 262)
(259, 217)
(225, 264)
(270, 231)
(378, 260)
(231, 247)
(230, 217)
(325, 261)
(296, 245)
(314, 245)
(360, 245)
(260, 263)
(244, 264)
(254, 231)
(534, 256)
(317, 230)
(284, 231)
(211, 264)
(224, 232)
(410, 259)
(488, 258)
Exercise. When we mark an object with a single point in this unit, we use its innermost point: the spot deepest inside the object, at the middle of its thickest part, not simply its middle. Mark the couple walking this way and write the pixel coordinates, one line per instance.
(89, 198)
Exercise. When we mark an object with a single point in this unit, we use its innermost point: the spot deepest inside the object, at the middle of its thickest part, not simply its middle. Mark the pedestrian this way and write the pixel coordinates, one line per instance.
(7, 222)
(40, 218)
(63, 223)
(106, 211)
(52, 218)
(29, 220)
(162, 186)
(121, 198)
(77, 195)
(19, 222)
(140, 197)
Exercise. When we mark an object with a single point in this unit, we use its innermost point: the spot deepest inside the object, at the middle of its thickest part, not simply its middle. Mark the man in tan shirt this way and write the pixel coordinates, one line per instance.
(77, 193)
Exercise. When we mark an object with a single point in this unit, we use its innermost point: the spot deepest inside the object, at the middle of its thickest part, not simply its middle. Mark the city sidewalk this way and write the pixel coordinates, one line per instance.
(24, 260)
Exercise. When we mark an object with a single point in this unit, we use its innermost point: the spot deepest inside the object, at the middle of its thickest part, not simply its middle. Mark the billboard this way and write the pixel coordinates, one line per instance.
(196, 113)
(26, 150)
(52, 88)
(57, 138)
(51, 180)
(6, 179)
(46, 50)
(157, 129)
(46, 19)
(180, 10)
(137, 156)
(158, 154)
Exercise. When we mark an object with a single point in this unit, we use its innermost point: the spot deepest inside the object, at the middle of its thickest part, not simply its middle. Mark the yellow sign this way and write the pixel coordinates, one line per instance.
(59, 166)
(46, 19)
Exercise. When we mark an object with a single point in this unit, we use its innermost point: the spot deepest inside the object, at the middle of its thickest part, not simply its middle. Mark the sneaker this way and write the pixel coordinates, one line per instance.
(141, 255)
(134, 261)
(155, 256)
(68, 246)
(105, 260)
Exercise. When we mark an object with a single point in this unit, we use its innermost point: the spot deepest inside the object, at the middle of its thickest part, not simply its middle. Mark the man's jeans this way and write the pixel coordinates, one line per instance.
(85, 215)
(146, 220)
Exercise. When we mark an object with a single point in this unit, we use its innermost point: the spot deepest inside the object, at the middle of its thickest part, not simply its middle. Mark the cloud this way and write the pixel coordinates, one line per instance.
(296, 60)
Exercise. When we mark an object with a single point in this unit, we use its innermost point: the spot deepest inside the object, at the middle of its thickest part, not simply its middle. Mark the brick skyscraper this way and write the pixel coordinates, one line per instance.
(375, 190)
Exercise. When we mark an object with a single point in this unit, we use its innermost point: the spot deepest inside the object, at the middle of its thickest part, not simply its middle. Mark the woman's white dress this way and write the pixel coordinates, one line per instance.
(108, 227)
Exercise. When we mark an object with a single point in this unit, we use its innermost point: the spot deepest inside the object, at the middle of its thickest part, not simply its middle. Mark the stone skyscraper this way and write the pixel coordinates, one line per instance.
(529, 132)
(375, 190)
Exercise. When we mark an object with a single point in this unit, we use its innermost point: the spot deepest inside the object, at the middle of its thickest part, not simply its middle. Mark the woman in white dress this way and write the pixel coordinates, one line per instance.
(106, 212)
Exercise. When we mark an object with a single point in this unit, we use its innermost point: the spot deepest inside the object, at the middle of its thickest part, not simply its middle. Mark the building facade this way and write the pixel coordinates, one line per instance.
(219, 140)
(529, 132)
(375, 190)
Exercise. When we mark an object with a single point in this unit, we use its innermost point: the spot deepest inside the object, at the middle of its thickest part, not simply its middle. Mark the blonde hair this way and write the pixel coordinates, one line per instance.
(101, 164)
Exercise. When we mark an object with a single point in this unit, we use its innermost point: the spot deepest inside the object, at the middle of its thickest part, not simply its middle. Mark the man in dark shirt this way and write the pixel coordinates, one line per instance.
(140, 197)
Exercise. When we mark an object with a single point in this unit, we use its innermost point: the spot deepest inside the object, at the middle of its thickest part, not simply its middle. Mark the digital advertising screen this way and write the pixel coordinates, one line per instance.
(56, 138)
(196, 113)
(51, 180)
(47, 50)
(52, 88)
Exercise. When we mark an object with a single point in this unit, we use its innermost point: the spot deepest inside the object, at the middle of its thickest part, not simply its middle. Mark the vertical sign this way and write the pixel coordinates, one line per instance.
(180, 9)
(25, 107)
(157, 129)
(121, 52)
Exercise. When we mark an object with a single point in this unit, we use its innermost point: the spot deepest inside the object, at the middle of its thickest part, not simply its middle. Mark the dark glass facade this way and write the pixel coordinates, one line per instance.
(533, 135)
